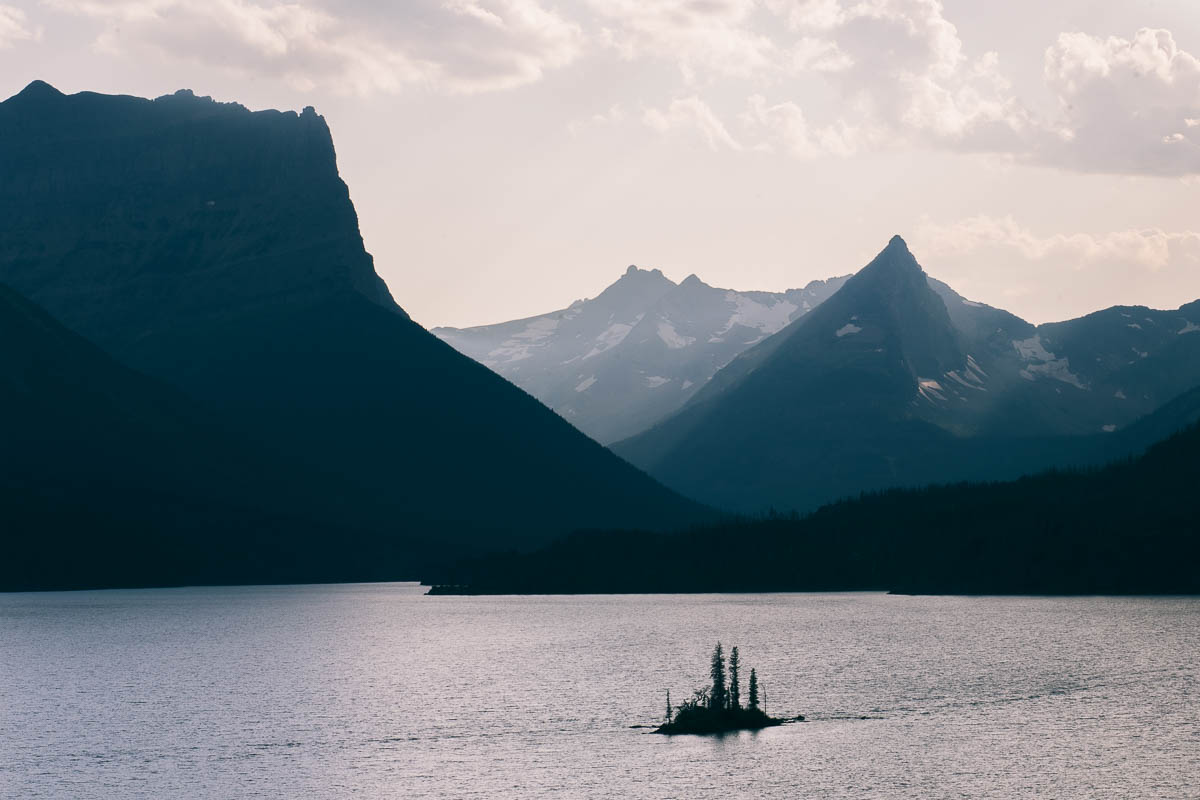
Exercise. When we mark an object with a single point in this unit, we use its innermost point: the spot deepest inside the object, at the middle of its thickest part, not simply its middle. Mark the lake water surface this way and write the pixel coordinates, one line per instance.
(375, 691)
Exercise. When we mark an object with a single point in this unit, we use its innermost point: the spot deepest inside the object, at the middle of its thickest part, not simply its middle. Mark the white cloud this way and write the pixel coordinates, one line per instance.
(15, 27)
(1148, 249)
(998, 259)
(902, 65)
(698, 35)
(902, 77)
(783, 126)
(1128, 105)
(456, 45)
(690, 115)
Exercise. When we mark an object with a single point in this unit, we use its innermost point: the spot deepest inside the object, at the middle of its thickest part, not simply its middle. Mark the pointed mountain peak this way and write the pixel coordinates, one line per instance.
(38, 90)
(893, 261)
(633, 270)
(693, 281)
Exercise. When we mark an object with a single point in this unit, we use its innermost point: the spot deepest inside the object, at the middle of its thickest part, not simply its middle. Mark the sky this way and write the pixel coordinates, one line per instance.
(507, 157)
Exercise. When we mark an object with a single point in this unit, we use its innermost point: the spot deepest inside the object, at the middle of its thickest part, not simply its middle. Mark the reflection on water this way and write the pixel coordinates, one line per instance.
(376, 691)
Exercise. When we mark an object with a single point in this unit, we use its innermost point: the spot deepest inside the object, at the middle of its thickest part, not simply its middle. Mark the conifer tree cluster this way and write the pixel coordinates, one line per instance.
(718, 707)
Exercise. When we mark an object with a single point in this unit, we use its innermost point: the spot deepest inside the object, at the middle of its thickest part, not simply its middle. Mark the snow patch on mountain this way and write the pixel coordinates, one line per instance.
(847, 329)
(654, 381)
(1189, 327)
(765, 317)
(1041, 362)
(520, 346)
(611, 337)
(931, 390)
(585, 384)
(671, 337)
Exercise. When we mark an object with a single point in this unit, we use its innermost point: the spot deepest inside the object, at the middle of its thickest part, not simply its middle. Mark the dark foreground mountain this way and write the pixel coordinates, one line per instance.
(112, 478)
(1131, 527)
(898, 381)
(618, 363)
(217, 250)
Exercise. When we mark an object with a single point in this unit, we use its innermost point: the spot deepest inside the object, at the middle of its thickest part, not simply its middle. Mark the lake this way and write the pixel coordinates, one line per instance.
(376, 691)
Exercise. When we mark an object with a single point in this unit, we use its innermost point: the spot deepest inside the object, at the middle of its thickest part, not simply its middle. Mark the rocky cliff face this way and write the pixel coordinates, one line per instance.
(133, 220)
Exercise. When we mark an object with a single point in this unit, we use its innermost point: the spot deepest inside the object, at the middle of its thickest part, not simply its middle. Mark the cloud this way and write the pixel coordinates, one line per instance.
(898, 69)
(15, 27)
(455, 46)
(1149, 249)
(690, 115)
(711, 36)
(1128, 105)
(783, 126)
(902, 77)
(987, 257)
(902, 66)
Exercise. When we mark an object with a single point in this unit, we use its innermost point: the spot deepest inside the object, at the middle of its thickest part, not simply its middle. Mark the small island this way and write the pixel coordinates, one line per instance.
(718, 708)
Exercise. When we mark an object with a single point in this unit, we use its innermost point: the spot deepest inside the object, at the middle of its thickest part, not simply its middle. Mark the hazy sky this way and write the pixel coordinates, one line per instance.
(509, 156)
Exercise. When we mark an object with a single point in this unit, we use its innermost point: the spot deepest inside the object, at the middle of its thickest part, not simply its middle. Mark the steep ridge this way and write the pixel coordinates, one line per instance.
(616, 364)
(898, 381)
(218, 249)
(111, 478)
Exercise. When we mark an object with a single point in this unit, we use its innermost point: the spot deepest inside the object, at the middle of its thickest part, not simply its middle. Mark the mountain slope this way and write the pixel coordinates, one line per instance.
(898, 381)
(217, 249)
(822, 408)
(616, 364)
(111, 478)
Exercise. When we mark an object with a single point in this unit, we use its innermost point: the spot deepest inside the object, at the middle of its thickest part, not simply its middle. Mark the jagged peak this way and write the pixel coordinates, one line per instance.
(693, 280)
(634, 269)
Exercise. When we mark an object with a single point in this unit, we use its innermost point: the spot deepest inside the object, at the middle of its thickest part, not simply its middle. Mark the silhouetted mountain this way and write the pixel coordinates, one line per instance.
(616, 364)
(111, 478)
(218, 250)
(898, 381)
(1132, 527)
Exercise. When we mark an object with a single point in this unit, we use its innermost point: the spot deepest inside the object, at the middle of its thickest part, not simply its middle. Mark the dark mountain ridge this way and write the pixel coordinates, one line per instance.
(1132, 527)
(111, 478)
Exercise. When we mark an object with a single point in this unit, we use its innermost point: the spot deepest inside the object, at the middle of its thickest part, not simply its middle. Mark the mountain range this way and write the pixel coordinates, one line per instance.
(750, 400)
(897, 381)
(207, 381)
(216, 252)
(618, 363)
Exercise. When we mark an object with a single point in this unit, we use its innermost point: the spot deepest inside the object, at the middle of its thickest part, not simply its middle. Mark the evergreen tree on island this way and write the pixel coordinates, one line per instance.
(717, 695)
(718, 709)
(735, 690)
